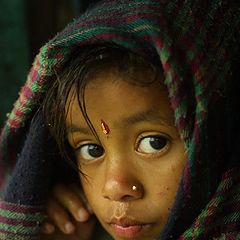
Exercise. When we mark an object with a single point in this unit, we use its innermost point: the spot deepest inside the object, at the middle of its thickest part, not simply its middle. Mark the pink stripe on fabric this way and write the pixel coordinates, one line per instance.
(128, 20)
(159, 43)
(18, 112)
(22, 235)
(14, 123)
(34, 74)
(15, 222)
(27, 91)
(20, 208)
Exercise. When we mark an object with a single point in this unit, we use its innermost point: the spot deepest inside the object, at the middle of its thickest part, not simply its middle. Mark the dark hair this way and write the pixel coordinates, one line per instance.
(84, 65)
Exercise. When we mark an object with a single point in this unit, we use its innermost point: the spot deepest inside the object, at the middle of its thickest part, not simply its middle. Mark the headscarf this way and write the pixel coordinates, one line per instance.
(197, 42)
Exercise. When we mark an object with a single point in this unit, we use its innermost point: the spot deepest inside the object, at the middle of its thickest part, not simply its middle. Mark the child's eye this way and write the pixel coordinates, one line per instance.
(90, 151)
(152, 144)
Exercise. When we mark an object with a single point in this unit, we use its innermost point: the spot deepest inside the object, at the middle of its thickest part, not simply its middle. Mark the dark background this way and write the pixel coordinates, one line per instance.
(25, 25)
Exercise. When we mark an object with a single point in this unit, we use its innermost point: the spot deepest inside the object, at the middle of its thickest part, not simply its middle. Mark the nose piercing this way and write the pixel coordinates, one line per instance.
(134, 188)
(105, 127)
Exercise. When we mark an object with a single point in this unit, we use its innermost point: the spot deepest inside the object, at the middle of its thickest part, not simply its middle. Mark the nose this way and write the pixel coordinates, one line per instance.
(121, 183)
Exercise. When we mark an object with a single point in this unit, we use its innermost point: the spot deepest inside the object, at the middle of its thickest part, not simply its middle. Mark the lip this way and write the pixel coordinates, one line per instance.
(127, 228)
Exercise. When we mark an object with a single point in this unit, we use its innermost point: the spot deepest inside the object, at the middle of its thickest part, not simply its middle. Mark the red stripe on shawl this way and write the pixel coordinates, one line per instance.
(118, 21)
(167, 66)
(159, 43)
(194, 66)
(231, 208)
(59, 56)
(14, 123)
(181, 123)
(27, 92)
(34, 73)
(18, 112)
(20, 208)
(178, 99)
(194, 63)
(14, 222)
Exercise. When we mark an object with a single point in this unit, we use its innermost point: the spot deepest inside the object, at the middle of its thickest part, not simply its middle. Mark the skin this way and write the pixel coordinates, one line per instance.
(127, 158)
(68, 216)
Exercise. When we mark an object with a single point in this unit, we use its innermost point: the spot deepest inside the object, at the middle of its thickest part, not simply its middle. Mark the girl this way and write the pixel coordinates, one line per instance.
(142, 107)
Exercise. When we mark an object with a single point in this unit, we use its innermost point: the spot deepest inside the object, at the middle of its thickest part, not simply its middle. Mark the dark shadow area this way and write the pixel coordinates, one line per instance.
(24, 27)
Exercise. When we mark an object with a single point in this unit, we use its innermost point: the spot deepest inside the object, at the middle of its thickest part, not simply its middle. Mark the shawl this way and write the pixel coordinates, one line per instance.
(197, 42)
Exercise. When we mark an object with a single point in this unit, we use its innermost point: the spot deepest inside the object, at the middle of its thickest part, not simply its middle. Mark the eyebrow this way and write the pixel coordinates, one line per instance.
(75, 128)
(151, 115)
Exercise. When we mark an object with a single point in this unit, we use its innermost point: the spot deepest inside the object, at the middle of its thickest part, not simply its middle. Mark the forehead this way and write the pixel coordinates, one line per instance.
(113, 96)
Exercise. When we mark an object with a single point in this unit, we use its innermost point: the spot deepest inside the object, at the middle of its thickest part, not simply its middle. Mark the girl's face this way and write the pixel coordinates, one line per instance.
(132, 174)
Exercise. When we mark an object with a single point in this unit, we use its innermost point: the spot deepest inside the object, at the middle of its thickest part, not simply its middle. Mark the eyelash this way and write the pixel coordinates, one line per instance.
(149, 135)
(140, 140)
(80, 147)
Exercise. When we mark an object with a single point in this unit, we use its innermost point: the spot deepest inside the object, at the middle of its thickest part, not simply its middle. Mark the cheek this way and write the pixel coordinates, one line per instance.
(165, 198)
(91, 193)
(87, 189)
(168, 187)
(176, 174)
(163, 193)
(167, 195)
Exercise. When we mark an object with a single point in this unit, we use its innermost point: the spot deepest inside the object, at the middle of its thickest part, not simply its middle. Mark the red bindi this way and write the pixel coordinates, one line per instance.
(105, 127)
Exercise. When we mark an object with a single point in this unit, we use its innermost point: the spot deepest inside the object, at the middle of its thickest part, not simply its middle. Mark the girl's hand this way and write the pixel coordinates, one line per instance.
(68, 212)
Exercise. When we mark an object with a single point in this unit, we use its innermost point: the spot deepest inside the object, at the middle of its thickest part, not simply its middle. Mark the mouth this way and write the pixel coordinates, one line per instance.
(127, 228)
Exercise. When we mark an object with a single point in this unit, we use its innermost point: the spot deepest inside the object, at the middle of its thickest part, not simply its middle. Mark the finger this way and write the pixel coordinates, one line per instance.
(47, 227)
(72, 202)
(59, 216)
(86, 229)
(77, 189)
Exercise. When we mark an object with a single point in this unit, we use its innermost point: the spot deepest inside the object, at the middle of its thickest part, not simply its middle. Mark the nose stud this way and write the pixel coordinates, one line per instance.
(105, 127)
(134, 188)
